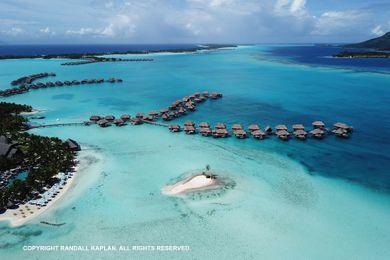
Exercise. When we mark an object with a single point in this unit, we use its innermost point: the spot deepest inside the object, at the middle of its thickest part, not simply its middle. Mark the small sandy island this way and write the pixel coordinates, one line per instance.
(194, 183)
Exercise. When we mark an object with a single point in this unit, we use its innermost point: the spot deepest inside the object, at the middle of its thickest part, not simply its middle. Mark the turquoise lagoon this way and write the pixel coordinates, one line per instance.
(295, 200)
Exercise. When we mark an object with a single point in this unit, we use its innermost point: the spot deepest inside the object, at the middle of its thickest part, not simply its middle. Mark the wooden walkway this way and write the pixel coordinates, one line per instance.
(58, 124)
(155, 123)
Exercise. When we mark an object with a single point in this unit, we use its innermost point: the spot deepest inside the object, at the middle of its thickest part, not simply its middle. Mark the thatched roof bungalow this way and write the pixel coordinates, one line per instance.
(221, 132)
(317, 133)
(300, 134)
(318, 124)
(343, 126)
(189, 123)
(189, 129)
(94, 118)
(109, 118)
(205, 131)
(204, 125)
(241, 134)
(174, 128)
(258, 134)
(283, 134)
(220, 126)
(125, 117)
(236, 127)
(119, 122)
(253, 127)
(281, 127)
(103, 123)
(298, 127)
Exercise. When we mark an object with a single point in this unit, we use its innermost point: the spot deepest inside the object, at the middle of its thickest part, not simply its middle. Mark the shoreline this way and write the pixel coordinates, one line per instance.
(31, 212)
(92, 54)
(198, 182)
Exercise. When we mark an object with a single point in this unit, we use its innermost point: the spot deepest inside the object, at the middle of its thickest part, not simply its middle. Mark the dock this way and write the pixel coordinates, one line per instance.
(188, 104)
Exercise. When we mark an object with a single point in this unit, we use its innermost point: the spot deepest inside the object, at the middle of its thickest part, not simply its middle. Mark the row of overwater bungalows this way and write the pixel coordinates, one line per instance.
(281, 131)
(27, 87)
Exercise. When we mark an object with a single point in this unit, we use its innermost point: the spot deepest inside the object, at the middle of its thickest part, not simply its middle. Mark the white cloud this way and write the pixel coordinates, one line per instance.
(84, 31)
(46, 30)
(13, 31)
(337, 22)
(377, 30)
(291, 7)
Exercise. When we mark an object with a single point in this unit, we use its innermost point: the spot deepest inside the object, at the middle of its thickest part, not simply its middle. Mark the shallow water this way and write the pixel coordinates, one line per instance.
(314, 199)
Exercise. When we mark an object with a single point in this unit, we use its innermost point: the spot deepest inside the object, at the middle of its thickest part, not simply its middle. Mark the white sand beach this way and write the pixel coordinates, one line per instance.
(193, 183)
(26, 212)
(33, 112)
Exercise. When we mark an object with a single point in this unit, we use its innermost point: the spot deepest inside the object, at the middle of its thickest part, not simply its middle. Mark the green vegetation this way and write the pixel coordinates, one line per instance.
(370, 54)
(42, 157)
(379, 43)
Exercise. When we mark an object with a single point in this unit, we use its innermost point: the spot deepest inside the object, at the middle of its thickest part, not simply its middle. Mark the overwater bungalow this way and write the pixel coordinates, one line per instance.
(154, 113)
(109, 118)
(136, 121)
(204, 125)
(94, 118)
(164, 110)
(241, 134)
(125, 117)
(220, 133)
(318, 125)
(220, 126)
(119, 122)
(215, 95)
(103, 123)
(317, 133)
(205, 94)
(236, 127)
(139, 115)
(174, 128)
(258, 134)
(340, 132)
(67, 82)
(189, 123)
(111, 80)
(342, 126)
(253, 127)
(298, 127)
(283, 134)
(166, 117)
(148, 118)
(189, 129)
(281, 127)
(182, 110)
(205, 131)
(59, 83)
(300, 134)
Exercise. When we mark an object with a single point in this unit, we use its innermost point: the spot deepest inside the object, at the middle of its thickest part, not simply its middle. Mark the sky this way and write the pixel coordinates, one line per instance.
(192, 21)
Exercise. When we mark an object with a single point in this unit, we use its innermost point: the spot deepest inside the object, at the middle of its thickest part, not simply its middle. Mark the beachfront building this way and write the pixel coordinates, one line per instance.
(73, 145)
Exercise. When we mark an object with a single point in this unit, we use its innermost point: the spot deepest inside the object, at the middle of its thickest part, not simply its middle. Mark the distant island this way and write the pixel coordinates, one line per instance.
(95, 56)
(374, 48)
